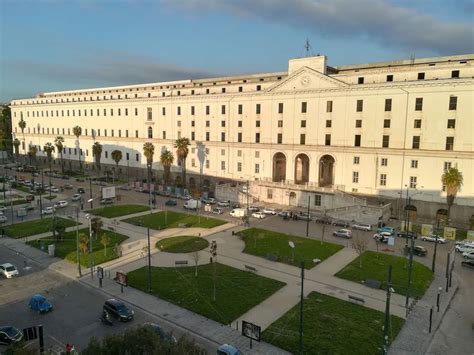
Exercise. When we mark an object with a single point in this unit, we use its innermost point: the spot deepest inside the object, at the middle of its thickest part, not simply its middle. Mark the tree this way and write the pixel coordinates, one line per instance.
(6, 129)
(148, 152)
(22, 125)
(16, 144)
(117, 156)
(97, 152)
(59, 143)
(359, 243)
(96, 225)
(453, 180)
(77, 132)
(83, 243)
(167, 160)
(182, 150)
(60, 229)
(49, 149)
(105, 240)
(196, 260)
(32, 151)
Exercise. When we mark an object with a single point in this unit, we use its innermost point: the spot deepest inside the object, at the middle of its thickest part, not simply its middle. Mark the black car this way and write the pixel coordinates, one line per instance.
(420, 251)
(303, 216)
(171, 203)
(323, 220)
(407, 235)
(81, 190)
(341, 223)
(10, 335)
(118, 310)
(468, 263)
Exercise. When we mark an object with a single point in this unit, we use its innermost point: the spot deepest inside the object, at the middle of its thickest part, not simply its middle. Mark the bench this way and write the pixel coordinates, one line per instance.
(182, 225)
(250, 268)
(181, 262)
(272, 257)
(355, 298)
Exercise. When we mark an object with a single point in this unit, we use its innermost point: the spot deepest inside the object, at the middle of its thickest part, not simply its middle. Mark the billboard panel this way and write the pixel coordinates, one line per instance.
(108, 192)
(450, 233)
(426, 229)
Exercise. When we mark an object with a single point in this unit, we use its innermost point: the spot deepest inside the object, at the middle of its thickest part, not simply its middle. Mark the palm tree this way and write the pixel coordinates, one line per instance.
(16, 144)
(167, 159)
(453, 180)
(117, 156)
(84, 243)
(97, 152)
(32, 151)
(59, 143)
(49, 149)
(182, 151)
(77, 132)
(105, 240)
(149, 151)
(22, 125)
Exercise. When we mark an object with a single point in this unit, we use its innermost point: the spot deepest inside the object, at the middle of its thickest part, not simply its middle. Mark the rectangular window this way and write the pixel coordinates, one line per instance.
(357, 140)
(178, 110)
(447, 165)
(280, 107)
(414, 164)
(279, 138)
(317, 200)
(136, 134)
(222, 136)
(417, 124)
(257, 137)
(453, 103)
(223, 109)
(385, 141)
(386, 123)
(163, 135)
(259, 87)
(269, 194)
(257, 154)
(451, 123)
(222, 123)
(360, 80)
(413, 182)
(355, 177)
(383, 179)
(137, 157)
(358, 123)
(327, 139)
(449, 143)
(302, 138)
(455, 74)
(240, 88)
(280, 123)
(223, 90)
(360, 106)
(257, 168)
(126, 112)
(356, 160)
(329, 106)
(239, 153)
(127, 156)
(193, 123)
(112, 133)
(328, 123)
(222, 164)
(178, 123)
(192, 110)
(303, 123)
(119, 112)
(193, 136)
(208, 110)
(120, 133)
(384, 162)
(304, 107)
(208, 123)
(239, 166)
(239, 123)
(239, 137)
(222, 151)
(419, 104)
(126, 133)
(149, 114)
(105, 132)
(257, 124)
(193, 162)
(389, 77)
(240, 109)
(106, 153)
(416, 142)
(208, 136)
(136, 111)
(421, 76)
(388, 105)
(163, 111)
(257, 109)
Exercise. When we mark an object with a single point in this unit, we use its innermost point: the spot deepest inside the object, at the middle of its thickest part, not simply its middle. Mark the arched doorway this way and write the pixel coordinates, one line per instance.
(411, 210)
(301, 169)
(292, 199)
(326, 170)
(178, 181)
(192, 182)
(442, 216)
(279, 167)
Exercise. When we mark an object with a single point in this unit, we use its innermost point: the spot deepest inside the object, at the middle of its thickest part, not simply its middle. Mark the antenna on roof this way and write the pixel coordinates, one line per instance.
(308, 49)
(412, 59)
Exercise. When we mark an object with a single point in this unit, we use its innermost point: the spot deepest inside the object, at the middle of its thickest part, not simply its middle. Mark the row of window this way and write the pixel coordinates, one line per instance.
(240, 109)
(421, 76)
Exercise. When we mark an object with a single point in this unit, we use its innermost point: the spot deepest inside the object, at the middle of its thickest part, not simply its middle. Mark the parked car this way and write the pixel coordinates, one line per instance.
(29, 198)
(217, 210)
(389, 230)
(468, 254)
(464, 248)
(118, 310)
(303, 216)
(284, 213)
(40, 304)
(10, 335)
(468, 263)
(164, 336)
(362, 226)
(323, 219)
(8, 270)
(432, 238)
(28, 207)
(76, 197)
(235, 205)
(343, 233)
(192, 204)
(340, 223)
(223, 204)
(54, 189)
(419, 250)
(382, 237)
(140, 189)
(61, 204)
(106, 201)
(68, 186)
(171, 203)
(252, 209)
(81, 190)
(259, 215)
(238, 212)
(48, 210)
(270, 211)
(227, 349)
(408, 235)
(464, 242)
(3, 208)
(3, 218)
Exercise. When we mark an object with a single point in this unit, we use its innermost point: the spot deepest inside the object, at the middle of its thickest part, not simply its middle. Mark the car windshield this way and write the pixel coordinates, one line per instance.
(12, 332)
(10, 268)
(122, 308)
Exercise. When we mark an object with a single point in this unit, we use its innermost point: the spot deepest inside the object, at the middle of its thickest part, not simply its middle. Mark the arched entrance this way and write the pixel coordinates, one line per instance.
(279, 167)
(326, 171)
(411, 210)
(292, 199)
(301, 169)
(192, 182)
(441, 216)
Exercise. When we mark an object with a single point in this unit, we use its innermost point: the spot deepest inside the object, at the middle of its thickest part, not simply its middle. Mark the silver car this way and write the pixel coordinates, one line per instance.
(432, 238)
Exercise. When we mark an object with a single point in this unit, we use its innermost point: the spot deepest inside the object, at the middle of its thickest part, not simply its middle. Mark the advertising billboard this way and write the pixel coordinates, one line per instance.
(108, 192)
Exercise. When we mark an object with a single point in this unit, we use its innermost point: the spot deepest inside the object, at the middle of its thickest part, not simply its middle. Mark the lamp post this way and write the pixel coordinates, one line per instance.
(91, 261)
(247, 220)
(78, 254)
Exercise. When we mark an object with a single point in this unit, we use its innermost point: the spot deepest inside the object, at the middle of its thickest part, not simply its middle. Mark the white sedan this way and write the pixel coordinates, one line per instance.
(3, 218)
(259, 215)
(468, 254)
(271, 211)
(432, 238)
(8, 270)
(48, 210)
(61, 204)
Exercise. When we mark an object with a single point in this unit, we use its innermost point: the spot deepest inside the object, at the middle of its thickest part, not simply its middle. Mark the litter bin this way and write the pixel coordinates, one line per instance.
(51, 249)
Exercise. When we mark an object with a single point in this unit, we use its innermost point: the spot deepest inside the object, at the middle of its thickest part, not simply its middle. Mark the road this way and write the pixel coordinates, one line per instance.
(77, 307)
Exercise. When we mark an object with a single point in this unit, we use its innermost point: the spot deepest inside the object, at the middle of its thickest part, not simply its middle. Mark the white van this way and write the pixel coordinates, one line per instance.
(238, 212)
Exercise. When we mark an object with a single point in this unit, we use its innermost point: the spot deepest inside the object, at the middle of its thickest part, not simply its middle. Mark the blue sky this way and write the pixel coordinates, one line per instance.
(52, 45)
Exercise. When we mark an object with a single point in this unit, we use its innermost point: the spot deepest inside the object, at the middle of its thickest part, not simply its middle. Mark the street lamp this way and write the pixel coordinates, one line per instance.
(78, 255)
(91, 262)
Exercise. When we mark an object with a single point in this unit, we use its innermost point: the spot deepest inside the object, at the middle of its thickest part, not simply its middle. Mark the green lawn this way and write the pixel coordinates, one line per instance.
(331, 326)
(66, 248)
(36, 226)
(170, 219)
(182, 244)
(15, 202)
(375, 266)
(119, 210)
(236, 291)
(261, 242)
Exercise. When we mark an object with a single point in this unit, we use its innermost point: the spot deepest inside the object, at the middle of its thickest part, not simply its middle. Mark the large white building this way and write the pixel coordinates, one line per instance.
(368, 129)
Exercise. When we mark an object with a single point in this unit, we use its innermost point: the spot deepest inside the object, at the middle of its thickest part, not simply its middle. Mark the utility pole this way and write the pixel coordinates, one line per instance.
(307, 220)
(301, 308)
(90, 187)
(213, 256)
(433, 265)
(410, 265)
(41, 191)
(247, 220)
(149, 262)
(78, 256)
(386, 327)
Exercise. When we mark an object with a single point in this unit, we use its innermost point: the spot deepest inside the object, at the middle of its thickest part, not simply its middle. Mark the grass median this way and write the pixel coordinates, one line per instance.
(171, 219)
(237, 291)
(375, 266)
(119, 210)
(331, 326)
(66, 248)
(275, 246)
(36, 226)
(182, 244)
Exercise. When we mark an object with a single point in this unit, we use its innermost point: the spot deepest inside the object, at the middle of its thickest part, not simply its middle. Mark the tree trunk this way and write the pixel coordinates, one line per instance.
(62, 162)
(183, 172)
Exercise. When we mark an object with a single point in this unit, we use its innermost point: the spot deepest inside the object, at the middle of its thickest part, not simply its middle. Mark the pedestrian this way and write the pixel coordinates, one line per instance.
(68, 348)
(3, 233)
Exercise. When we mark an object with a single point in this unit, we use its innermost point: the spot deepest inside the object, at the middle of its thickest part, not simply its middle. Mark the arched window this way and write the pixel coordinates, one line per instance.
(150, 132)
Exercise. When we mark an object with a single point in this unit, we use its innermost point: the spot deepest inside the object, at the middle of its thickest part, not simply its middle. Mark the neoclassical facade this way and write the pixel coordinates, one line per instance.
(370, 129)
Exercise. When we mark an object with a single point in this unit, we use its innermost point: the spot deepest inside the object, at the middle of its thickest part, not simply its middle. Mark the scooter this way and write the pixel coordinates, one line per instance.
(105, 318)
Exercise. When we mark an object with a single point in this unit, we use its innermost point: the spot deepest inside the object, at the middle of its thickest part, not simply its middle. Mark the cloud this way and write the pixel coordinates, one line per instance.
(374, 20)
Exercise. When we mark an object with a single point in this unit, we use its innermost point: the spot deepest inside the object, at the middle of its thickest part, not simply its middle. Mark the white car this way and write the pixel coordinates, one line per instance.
(362, 226)
(54, 189)
(432, 238)
(60, 204)
(48, 210)
(259, 215)
(3, 208)
(76, 197)
(465, 241)
(223, 204)
(468, 255)
(3, 218)
(8, 270)
(464, 248)
(271, 211)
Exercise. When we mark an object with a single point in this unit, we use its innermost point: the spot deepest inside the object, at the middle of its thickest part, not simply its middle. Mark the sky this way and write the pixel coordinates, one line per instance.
(54, 45)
